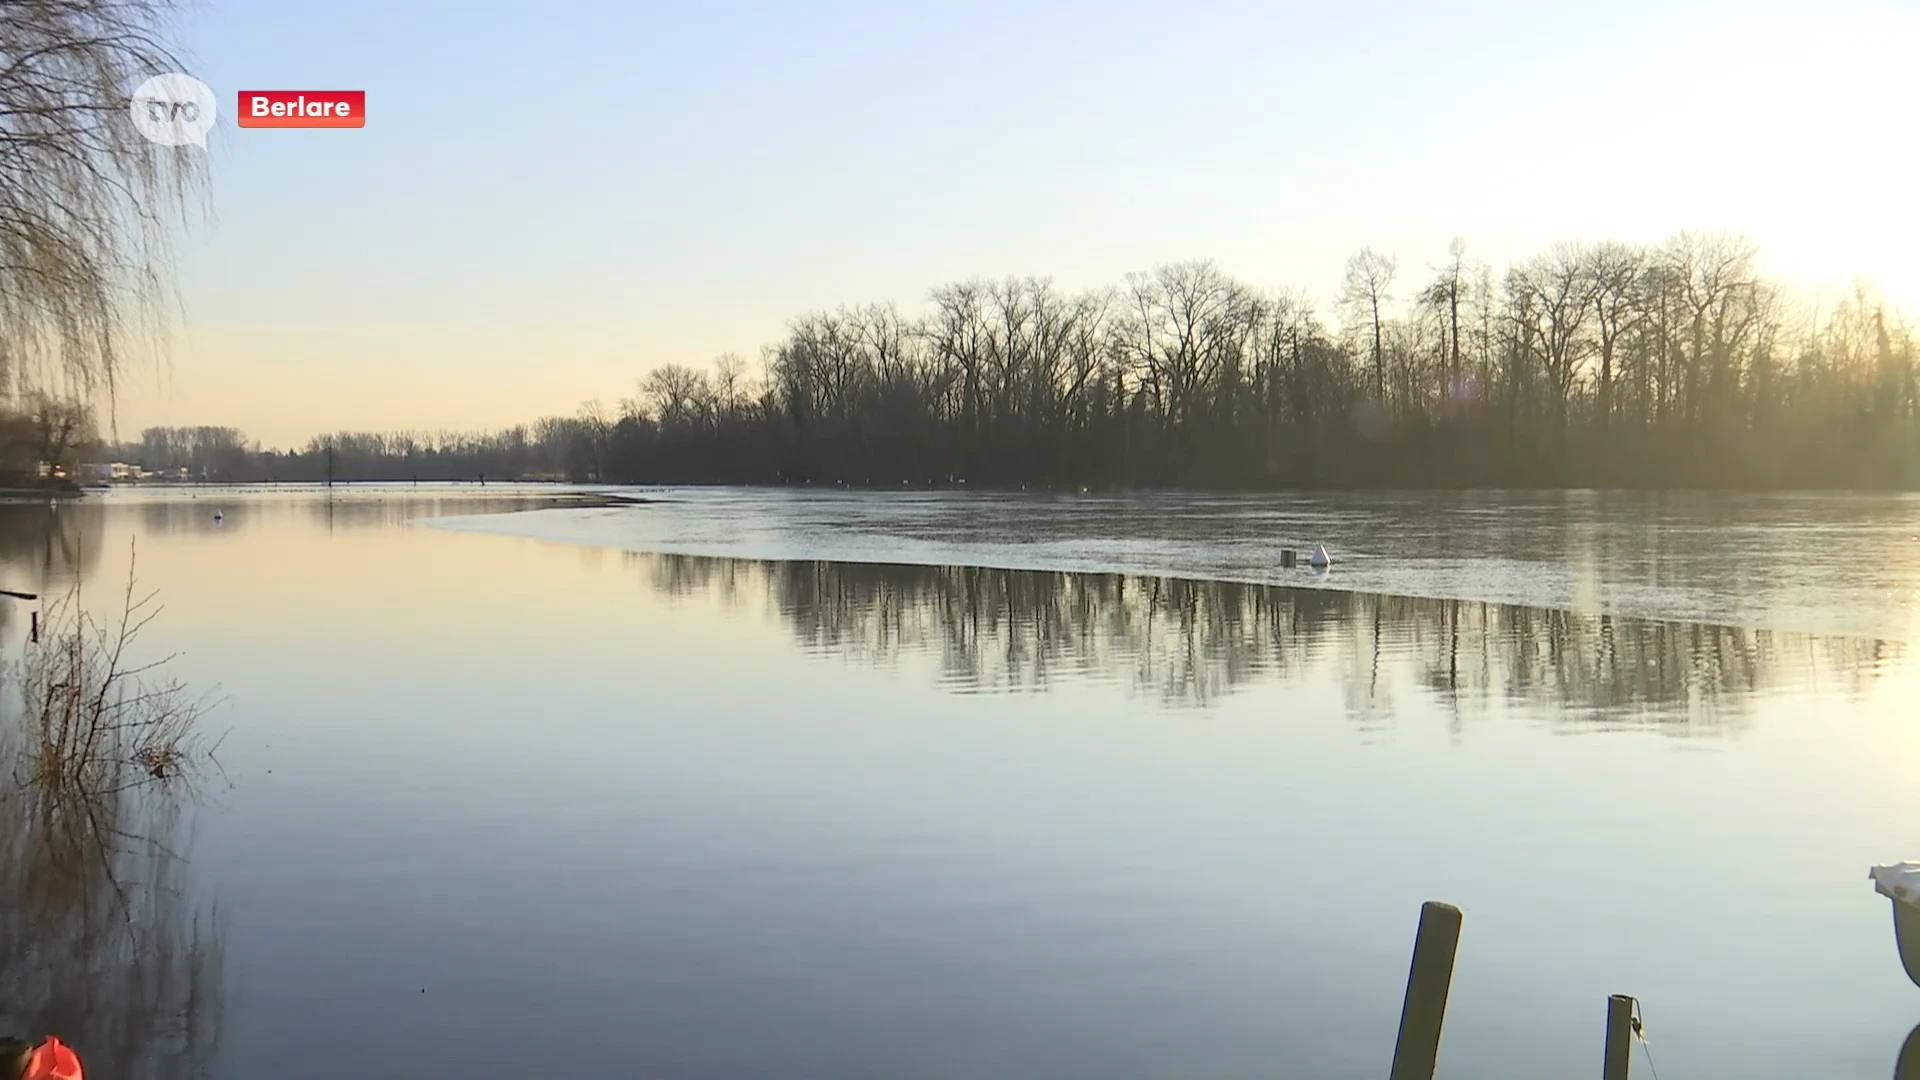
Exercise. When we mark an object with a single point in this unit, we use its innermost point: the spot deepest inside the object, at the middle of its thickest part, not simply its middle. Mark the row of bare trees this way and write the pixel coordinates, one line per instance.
(553, 448)
(1602, 363)
(1589, 365)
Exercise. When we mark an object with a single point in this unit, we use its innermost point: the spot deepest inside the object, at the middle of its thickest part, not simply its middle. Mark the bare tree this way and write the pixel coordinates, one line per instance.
(1363, 291)
(1720, 298)
(676, 393)
(1444, 297)
(60, 426)
(730, 380)
(1191, 324)
(1553, 295)
(596, 424)
(88, 207)
(1616, 270)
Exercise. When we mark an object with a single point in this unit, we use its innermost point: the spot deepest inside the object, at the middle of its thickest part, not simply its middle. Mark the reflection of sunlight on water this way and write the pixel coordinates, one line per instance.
(1898, 689)
(1584, 583)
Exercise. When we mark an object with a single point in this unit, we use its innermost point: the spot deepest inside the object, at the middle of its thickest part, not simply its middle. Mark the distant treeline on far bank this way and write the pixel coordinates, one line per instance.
(1588, 365)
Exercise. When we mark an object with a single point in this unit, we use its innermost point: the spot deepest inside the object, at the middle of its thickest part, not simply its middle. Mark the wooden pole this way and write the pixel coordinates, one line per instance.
(1619, 1037)
(1417, 1049)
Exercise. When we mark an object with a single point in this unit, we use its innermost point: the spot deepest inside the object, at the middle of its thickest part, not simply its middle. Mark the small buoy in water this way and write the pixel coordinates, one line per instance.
(1320, 560)
(1287, 558)
(217, 515)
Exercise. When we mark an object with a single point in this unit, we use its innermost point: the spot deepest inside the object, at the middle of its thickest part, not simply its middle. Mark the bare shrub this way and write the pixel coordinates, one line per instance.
(101, 941)
(98, 725)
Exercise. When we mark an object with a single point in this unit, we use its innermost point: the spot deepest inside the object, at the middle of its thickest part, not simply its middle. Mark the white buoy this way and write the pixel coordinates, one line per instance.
(217, 515)
(1320, 560)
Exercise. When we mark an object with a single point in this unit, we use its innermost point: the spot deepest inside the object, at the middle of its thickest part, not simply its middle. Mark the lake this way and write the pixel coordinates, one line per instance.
(737, 784)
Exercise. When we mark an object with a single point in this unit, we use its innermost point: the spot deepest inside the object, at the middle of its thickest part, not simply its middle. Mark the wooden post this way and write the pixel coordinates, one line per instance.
(1417, 1049)
(1619, 1037)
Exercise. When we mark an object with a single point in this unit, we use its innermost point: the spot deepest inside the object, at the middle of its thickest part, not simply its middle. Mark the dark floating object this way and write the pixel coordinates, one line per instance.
(1288, 558)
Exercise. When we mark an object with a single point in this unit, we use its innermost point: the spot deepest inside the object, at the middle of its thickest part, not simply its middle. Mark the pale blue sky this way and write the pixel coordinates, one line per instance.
(551, 198)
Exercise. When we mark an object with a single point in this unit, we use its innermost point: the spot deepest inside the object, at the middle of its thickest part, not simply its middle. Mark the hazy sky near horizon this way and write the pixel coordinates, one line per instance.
(549, 199)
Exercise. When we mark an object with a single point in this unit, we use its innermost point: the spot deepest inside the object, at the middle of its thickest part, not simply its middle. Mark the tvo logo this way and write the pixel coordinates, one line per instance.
(174, 110)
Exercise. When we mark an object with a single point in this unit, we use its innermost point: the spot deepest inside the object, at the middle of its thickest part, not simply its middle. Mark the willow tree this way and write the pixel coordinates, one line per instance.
(88, 207)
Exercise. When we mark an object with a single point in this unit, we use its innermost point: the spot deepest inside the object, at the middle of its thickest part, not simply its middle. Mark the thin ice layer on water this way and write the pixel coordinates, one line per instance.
(1706, 558)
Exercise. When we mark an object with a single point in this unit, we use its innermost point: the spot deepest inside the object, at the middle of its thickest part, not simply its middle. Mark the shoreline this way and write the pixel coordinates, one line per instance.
(35, 494)
(984, 488)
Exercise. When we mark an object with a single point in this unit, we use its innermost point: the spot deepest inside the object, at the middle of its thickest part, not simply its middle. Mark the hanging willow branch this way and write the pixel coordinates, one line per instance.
(88, 207)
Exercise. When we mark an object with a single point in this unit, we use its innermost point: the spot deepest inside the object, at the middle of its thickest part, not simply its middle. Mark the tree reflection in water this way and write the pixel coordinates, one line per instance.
(101, 941)
(1190, 642)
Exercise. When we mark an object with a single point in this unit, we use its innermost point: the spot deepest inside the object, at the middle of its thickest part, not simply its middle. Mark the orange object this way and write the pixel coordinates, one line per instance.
(52, 1060)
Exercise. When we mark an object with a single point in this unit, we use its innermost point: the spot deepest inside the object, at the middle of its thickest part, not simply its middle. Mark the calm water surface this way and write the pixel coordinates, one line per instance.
(497, 805)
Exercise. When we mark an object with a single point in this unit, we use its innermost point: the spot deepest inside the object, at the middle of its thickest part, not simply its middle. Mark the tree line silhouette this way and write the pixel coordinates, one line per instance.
(1192, 642)
(1607, 364)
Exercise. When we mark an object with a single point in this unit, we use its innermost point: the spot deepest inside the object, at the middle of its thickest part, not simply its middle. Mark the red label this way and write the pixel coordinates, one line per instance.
(303, 108)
